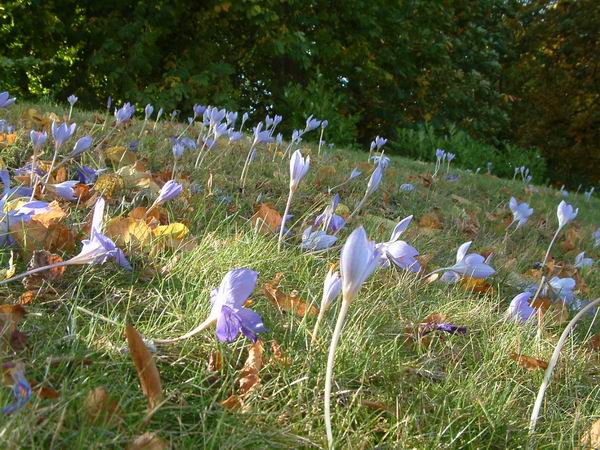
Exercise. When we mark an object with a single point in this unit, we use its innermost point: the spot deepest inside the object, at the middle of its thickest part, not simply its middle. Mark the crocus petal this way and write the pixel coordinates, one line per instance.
(235, 288)
(228, 325)
(400, 228)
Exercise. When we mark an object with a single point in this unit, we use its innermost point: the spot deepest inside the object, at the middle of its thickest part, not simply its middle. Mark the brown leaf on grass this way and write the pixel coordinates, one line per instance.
(215, 361)
(424, 261)
(140, 213)
(145, 367)
(461, 200)
(41, 258)
(278, 354)
(571, 239)
(386, 199)
(232, 403)
(43, 392)
(469, 225)
(432, 220)
(28, 297)
(10, 318)
(591, 438)
(54, 215)
(427, 180)
(249, 378)
(120, 156)
(266, 219)
(477, 285)
(8, 138)
(594, 342)
(126, 231)
(148, 441)
(100, 408)
(528, 362)
(375, 405)
(289, 303)
(326, 171)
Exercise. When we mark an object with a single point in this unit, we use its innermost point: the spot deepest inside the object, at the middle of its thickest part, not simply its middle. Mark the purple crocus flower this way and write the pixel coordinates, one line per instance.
(378, 143)
(596, 237)
(355, 173)
(6, 100)
(316, 240)
(170, 190)
(324, 124)
(279, 138)
(312, 124)
(399, 252)
(261, 136)
(519, 308)
(298, 168)
(234, 135)
(407, 187)
(581, 261)
(198, 110)
(72, 99)
(296, 135)
(332, 288)
(521, 212)
(375, 180)
(148, 110)
(227, 307)
(8, 192)
(99, 248)
(87, 175)
(159, 114)
(61, 133)
(565, 214)
(21, 391)
(331, 221)
(359, 259)
(440, 154)
(231, 118)
(124, 113)
(81, 146)
(450, 156)
(472, 264)
(64, 190)
(380, 160)
(38, 138)
(30, 209)
(178, 149)
(26, 170)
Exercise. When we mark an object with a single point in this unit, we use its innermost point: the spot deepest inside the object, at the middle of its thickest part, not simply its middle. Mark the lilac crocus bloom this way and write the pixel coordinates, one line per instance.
(520, 211)
(198, 110)
(440, 154)
(87, 175)
(332, 288)
(234, 135)
(561, 287)
(316, 240)
(8, 192)
(296, 135)
(359, 259)
(312, 124)
(565, 214)
(581, 261)
(450, 156)
(32, 208)
(375, 180)
(159, 114)
(596, 237)
(472, 264)
(380, 160)
(81, 146)
(170, 190)
(378, 142)
(124, 113)
(38, 138)
(178, 149)
(99, 248)
(6, 100)
(227, 307)
(399, 252)
(407, 187)
(148, 110)
(231, 118)
(588, 194)
(331, 221)
(298, 168)
(519, 308)
(61, 133)
(325, 124)
(72, 99)
(355, 173)
(21, 391)
(64, 190)
(261, 136)
(279, 138)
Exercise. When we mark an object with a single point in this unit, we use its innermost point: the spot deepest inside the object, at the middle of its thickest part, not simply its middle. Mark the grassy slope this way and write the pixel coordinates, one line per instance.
(483, 399)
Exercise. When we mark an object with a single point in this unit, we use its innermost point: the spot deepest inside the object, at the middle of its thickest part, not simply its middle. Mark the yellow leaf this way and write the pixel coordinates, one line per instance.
(135, 178)
(172, 231)
(120, 156)
(145, 367)
(126, 230)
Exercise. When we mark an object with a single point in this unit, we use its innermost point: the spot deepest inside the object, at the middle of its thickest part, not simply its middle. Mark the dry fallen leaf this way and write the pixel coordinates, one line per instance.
(594, 343)
(120, 156)
(100, 408)
(10, 318)
(266, 219)
(289, 303)
(126, 231)
(432, 220)
(41, 258)
(249, 377)
(477, 285)
(375, 405)
(145, 367)
(232, 403)
(591, 438)
(148, 441)
(528, 362)
(278, 354)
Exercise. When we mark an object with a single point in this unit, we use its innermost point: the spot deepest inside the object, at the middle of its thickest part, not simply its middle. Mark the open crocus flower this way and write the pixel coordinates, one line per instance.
(72, 99)
(316, 240)
(565, 214)
(312, 124)
(64, 190)
(124, 113)
(329, 219)
(520, 211)
(380, 160)
(561, 288)
(472, 265)
(38, 138)
(407, 187)
(228, 309)
(581, 261)
(21, 388)
(519, 308)
(62, 133)
(6, 100)
(399, 252)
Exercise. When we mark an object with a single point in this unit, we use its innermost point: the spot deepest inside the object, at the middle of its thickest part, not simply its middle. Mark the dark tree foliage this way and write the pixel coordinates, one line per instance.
(502, 70)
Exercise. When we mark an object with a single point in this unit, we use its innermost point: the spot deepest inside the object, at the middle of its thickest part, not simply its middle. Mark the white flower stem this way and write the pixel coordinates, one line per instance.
(70, 112)
(285, 213)
(552, 363)
(143, 128)
(320, 141)
(317, 326)
(329, 373)
(203, 326)
(550, 247)
(435, 271)
(245, 168)
(197, 163)
(174, 169)
(36, 270)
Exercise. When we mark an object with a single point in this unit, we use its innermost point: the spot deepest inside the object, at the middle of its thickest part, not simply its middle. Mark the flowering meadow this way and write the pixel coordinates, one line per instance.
(199, 280)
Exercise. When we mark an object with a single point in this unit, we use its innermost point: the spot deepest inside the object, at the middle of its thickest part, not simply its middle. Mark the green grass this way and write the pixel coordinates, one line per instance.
(471, 393)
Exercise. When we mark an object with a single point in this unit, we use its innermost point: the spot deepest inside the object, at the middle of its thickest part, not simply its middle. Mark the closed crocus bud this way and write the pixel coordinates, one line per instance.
(62, 133)
(332, 287)
(596, 237)
(375, 180)
(6, 100)
(160, 113)
(38, 138)
(355, 173)
(81, 146)
(359, 259)
(298, 168)
(565, 213)
(324, 124)
(64, 190)
(169, 191)
(148, 110)
(178, 149)
(198, 110)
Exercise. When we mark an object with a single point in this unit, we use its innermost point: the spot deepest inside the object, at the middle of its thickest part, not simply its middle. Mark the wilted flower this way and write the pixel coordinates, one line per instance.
(407, 187)
(81, 146)
(38, 138)
(124, 113)
(298, 168)
(565, 214)
(21, 389)
(519, 308)
(62, 133)
(316, 240)
(8, 192)
(581, 261)
(228, 307)
(359, 259)
(72, 100)
(87, 175)
(148, 110)
(399, 252)
(6, 100)
(521, 212)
